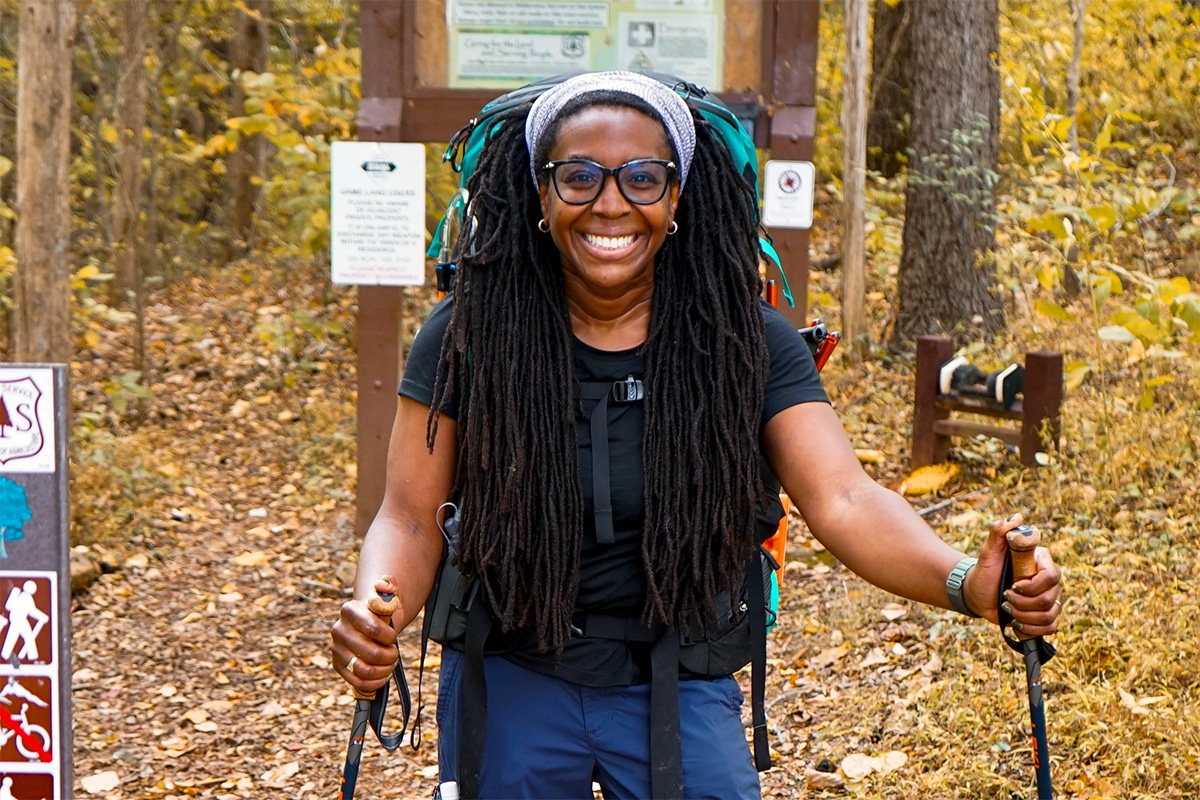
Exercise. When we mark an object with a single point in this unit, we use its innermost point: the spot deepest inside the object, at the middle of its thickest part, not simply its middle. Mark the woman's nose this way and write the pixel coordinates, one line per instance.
(610, 200)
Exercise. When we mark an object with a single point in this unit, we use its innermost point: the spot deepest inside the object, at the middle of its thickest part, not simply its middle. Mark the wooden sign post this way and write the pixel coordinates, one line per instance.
(35, 584)
(429, 65)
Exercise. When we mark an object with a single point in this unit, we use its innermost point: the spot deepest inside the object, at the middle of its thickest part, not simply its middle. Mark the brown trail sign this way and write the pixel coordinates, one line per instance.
(35, 662)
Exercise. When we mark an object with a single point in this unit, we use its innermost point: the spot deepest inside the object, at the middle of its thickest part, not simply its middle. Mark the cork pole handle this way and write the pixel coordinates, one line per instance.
(383, 604)
(1022, 541)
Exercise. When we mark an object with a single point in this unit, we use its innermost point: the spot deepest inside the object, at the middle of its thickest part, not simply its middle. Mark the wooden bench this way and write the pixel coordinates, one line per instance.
(1037, 411)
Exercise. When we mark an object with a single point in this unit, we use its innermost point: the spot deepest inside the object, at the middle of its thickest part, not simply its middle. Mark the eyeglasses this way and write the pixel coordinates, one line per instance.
(642, 182)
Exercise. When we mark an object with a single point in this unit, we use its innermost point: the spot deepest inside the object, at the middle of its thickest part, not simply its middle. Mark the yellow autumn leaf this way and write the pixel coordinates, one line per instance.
(101, 782)
(1077, 372)
(829, 655)
(257, 558)
(1137, 705)
(868, 456)
(924, 480)
(196, 716)
(859, 765)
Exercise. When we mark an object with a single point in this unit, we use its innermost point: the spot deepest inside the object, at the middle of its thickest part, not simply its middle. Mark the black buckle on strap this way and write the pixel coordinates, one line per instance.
(629, 390)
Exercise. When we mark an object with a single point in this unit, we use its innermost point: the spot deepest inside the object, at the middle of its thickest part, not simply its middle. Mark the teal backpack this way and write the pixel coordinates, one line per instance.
(465, 146)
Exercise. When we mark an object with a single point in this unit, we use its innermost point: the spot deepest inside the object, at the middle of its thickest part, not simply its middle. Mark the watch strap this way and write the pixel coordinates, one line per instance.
(956, 582)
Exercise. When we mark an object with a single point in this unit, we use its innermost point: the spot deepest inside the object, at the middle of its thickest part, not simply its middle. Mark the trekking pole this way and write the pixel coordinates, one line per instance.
(382, 605)
(1022, 541)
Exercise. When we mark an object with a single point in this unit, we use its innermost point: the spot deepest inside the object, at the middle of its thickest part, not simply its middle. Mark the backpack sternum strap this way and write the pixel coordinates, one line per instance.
(629, 390)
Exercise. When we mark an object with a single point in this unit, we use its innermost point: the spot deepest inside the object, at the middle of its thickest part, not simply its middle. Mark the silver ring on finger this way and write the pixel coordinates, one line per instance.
(350, 664)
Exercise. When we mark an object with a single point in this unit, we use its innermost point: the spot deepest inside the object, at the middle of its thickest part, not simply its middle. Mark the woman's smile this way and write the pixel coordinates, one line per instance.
(609, 242)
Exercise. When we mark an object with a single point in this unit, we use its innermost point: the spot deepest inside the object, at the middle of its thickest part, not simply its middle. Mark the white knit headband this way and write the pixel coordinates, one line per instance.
(671, 109)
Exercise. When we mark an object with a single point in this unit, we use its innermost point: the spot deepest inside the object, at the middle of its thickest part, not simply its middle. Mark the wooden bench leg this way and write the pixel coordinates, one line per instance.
(1041, 418)
(928, 447)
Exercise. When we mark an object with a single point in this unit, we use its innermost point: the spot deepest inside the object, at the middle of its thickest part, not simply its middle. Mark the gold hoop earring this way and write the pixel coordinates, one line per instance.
(672, 228)
(543, 225)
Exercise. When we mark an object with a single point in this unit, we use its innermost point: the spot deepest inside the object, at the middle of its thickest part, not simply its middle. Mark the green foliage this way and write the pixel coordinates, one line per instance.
(300, 111)
(308, 97)
(1102, 214)
(8, 266)
(1092, 235)
(954, 170)
(124, 389)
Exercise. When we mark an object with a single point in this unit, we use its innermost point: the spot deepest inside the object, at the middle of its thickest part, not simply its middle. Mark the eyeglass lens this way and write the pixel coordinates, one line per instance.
(641, 182)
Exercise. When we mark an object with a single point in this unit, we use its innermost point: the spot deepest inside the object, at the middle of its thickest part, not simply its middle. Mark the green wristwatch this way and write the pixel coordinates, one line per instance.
(955, 583)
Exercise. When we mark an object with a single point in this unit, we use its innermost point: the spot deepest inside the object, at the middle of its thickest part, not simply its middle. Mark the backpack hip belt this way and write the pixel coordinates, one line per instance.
(717, 652)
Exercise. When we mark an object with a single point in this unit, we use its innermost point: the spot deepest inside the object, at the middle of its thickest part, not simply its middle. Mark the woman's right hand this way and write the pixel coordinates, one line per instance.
(364, 649)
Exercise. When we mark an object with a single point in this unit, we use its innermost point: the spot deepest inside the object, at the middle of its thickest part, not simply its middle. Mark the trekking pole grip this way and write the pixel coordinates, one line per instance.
(1022, 541)
(382, 604)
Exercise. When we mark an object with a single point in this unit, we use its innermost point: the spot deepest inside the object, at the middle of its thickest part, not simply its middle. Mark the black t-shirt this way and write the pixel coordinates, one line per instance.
(611, 576)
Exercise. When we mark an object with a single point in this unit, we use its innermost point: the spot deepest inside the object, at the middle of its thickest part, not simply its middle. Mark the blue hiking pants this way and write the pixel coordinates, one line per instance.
(549, 739)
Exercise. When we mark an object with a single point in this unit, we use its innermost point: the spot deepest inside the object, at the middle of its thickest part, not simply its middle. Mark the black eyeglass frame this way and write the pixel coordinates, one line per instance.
(551, 167)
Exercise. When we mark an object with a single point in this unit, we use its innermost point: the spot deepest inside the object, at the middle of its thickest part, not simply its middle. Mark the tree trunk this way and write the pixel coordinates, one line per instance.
(249, 52)
(98, 207)
(854, 152)
(946, 272)
(891, 102)
(42, 286)
(1078, 9)
(131, 122)
(7, 145)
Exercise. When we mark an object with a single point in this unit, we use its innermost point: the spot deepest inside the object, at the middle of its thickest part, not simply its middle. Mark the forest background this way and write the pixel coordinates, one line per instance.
(213, 441)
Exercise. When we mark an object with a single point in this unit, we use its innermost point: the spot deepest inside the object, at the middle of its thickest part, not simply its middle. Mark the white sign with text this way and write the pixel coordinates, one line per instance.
(377, 213)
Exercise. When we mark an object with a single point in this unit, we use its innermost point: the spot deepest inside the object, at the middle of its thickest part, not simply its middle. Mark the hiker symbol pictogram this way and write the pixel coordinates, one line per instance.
(25, 635)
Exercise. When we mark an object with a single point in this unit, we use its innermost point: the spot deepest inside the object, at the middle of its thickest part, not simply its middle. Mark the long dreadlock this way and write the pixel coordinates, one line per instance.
(508, 353)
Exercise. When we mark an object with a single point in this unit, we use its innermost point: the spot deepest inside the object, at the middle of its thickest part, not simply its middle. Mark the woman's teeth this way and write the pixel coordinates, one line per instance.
(609, 242)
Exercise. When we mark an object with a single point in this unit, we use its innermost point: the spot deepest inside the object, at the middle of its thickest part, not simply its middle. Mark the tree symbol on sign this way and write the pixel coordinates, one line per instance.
(5, 419)
(14, 512)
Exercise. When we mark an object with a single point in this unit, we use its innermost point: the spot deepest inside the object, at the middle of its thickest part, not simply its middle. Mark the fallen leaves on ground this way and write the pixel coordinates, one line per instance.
(221, 513)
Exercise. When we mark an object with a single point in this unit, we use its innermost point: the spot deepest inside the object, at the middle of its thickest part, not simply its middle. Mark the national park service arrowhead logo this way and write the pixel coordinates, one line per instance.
(21, 433)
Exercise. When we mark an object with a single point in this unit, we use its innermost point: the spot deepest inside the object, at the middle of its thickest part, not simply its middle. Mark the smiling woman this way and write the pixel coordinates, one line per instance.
(593, 432)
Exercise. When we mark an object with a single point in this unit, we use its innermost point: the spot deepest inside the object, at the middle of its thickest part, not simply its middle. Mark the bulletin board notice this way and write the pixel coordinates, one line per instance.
(377, 213)
(503, 44)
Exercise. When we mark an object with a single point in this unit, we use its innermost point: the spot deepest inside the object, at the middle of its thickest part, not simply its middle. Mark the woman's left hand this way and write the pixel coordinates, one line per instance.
(1034, 603)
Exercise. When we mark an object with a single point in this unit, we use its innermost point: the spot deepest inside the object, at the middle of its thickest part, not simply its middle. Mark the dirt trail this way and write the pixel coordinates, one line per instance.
(201, 662)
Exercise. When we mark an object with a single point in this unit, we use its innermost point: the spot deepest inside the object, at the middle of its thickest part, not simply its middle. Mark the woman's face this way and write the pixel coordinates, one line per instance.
(609, 244)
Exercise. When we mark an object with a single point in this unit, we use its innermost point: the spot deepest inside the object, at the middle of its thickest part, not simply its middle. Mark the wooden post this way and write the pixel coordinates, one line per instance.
(929, 447)
(790, 70)
(854, 161)
(379, 307)
(1041, 420)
